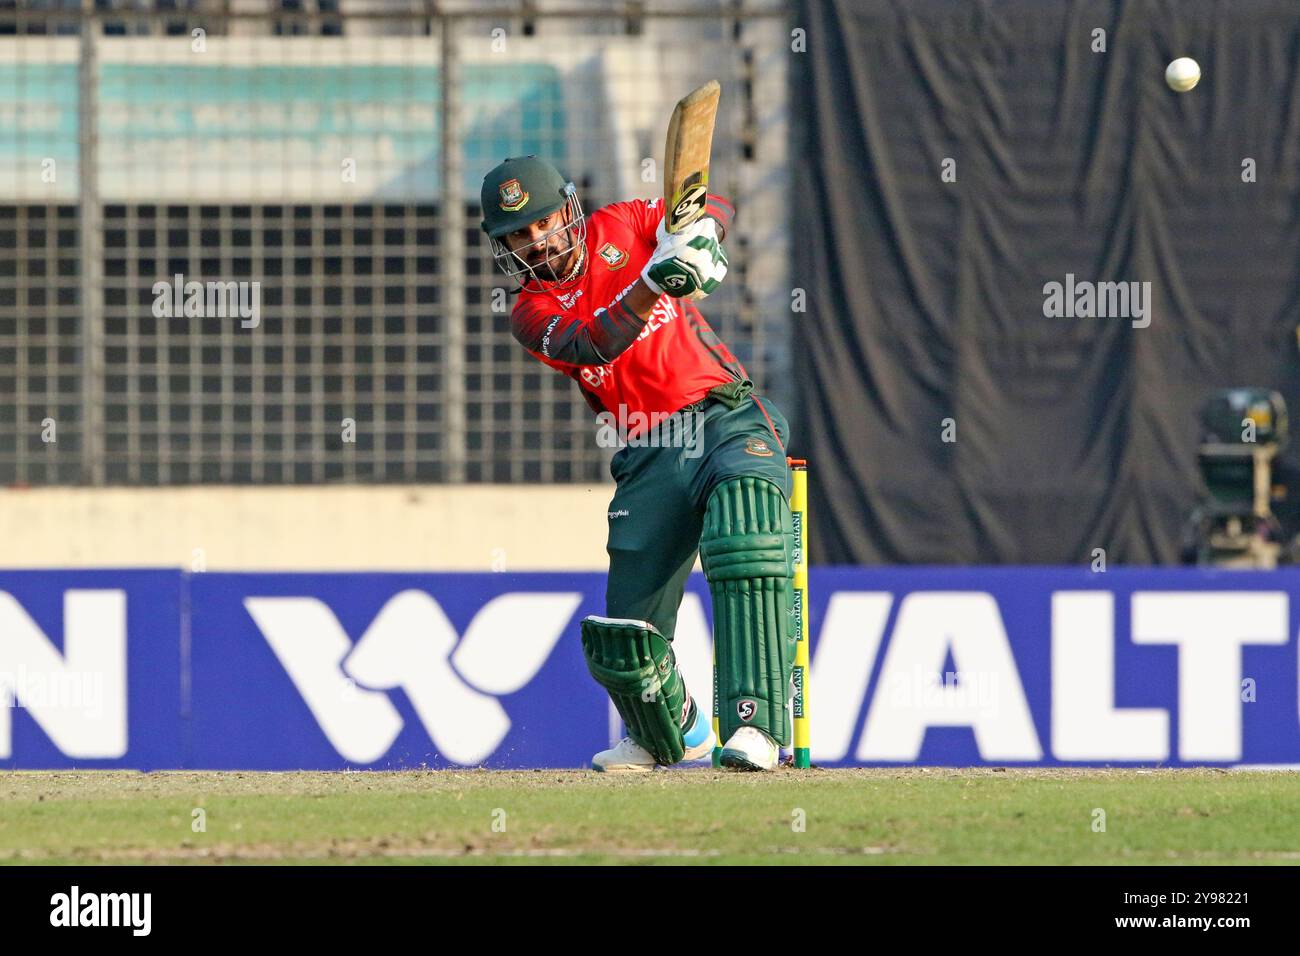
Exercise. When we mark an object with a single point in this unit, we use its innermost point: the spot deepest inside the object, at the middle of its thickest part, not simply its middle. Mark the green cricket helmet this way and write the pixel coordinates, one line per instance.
(521, 191)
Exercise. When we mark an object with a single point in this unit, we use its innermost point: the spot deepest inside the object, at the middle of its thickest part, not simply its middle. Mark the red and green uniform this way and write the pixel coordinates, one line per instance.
(656, 365)
(665, 510)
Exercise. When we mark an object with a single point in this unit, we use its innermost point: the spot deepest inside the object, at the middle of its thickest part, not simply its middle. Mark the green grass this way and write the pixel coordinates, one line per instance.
(689, 816)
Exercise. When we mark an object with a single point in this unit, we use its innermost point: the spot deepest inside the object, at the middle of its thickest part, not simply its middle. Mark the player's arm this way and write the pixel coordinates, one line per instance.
(720, 211)
(688, 264)
(596, 341)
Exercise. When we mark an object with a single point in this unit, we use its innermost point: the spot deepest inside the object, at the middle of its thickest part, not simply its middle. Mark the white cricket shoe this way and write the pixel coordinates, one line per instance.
(628, 756)
(750, 749)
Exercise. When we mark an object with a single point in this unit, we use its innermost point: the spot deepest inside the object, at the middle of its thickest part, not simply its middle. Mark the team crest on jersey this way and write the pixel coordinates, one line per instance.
(614, 257)
(513, 197)
(756, 446)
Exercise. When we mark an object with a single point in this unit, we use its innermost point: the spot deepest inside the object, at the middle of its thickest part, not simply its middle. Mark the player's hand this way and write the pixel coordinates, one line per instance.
(689, 264)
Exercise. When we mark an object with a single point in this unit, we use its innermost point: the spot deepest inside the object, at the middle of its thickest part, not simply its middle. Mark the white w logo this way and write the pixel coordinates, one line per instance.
(411, 644)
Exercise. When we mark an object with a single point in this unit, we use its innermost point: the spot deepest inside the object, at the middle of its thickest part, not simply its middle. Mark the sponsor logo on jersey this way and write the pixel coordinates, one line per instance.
(614, 257)
(596, 376)
(513, 197)
(546, 338)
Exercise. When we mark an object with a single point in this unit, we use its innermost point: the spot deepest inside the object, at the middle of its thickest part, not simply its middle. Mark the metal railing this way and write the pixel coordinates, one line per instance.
(332, 157)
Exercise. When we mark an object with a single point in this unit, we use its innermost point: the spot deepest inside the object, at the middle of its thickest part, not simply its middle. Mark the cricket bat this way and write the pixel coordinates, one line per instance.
(686, 156)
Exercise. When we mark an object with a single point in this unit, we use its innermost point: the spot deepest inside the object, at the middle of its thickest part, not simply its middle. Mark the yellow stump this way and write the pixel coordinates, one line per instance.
(717, 729)
(799, 509)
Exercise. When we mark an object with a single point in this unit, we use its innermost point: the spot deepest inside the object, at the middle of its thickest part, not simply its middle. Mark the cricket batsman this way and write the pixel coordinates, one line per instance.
(608, 300)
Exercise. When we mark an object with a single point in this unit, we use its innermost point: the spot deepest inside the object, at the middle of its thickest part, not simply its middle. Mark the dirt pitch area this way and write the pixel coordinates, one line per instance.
(703, 816)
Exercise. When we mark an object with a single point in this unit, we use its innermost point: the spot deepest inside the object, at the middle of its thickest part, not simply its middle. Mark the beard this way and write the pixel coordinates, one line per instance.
(544, 267)
(555, 266)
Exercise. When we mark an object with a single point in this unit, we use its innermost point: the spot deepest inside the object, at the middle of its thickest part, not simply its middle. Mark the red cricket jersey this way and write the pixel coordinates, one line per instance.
(674, 359)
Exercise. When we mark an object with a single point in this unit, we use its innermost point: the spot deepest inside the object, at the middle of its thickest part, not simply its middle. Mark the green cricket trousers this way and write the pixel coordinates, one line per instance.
(657, 514)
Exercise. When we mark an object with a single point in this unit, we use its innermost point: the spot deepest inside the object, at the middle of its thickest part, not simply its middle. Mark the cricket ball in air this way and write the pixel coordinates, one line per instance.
(1183, 74)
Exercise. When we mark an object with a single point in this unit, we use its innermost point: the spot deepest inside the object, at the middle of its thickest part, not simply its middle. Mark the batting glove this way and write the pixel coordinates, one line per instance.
(688, 264)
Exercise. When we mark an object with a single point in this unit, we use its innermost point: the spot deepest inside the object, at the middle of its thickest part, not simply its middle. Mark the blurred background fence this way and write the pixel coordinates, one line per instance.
(332, 153)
